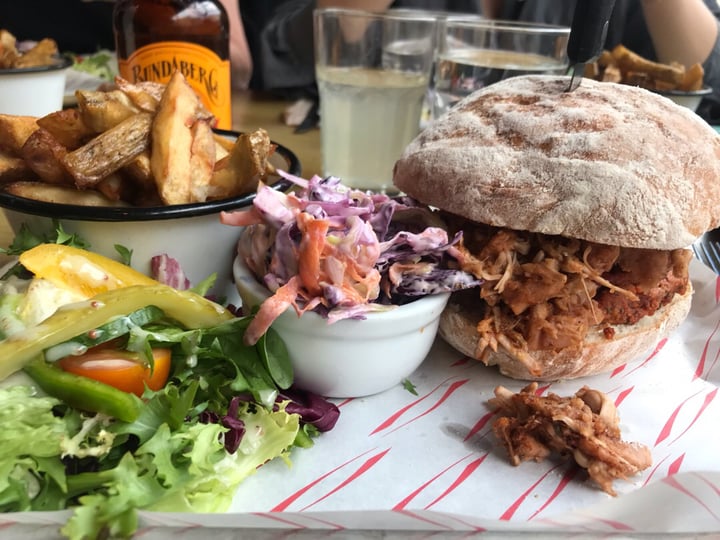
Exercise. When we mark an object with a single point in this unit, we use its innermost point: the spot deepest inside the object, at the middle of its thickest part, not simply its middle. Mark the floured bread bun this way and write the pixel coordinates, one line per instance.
(609, 163)
(577, 210)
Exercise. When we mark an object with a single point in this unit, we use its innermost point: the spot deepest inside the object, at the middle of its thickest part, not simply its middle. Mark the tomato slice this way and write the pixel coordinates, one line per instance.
(122, 369)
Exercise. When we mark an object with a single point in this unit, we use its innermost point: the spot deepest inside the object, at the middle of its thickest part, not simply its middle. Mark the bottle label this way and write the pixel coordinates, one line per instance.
(207, 73)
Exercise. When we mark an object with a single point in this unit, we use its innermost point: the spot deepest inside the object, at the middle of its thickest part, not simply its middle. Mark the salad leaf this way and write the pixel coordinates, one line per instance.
(30, 471)
(10, 300)
(125, 254)
(182, 453)
(26, 239)
(409, 386)
(100, 64)
(227, 409)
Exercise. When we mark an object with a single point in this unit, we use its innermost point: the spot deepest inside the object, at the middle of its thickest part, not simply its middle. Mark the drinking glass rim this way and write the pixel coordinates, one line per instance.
(436, 13)
(387, 15)
(500, 24)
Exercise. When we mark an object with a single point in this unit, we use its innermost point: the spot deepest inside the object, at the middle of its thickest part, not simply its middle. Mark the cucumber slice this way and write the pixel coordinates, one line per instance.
(112, 329)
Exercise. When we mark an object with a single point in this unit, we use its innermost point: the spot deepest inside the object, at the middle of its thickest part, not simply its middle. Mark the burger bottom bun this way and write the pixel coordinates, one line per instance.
(458, 328)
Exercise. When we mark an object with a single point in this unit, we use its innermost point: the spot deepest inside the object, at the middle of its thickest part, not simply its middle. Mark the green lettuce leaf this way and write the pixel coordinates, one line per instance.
(30, 439)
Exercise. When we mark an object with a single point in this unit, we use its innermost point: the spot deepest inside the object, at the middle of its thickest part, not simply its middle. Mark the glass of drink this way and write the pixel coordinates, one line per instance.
(472, 54)
(372, 71)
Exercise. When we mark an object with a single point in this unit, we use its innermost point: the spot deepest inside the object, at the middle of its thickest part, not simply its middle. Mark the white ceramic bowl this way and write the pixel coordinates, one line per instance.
(691, 100)
(34, 91)
(190, 233)
(351, 358)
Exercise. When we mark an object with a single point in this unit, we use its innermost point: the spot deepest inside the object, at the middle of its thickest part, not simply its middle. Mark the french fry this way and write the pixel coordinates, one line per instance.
(630, 62)
(101, 111)
(44, 155)
(68, 128)
(624, 66)
(109, 151)
(140, 144)
(8, 52)
(592, 70)
(179, 139)
(202, 161)
(145, 95)
(612, 74)
(14, 168)
(15, 130)
(246, 165)
(115, 187)
(139, 169)
(52, 193)
(693, 78)
(42, 54)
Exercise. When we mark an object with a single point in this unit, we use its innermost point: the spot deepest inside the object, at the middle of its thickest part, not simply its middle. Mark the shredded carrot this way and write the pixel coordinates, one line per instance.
(311, 250)
(241, 218)
(271, 309)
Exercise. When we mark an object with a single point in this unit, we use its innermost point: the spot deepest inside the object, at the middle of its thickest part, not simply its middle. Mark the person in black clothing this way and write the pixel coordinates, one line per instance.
(685, 31)
(282, 42)
(78, 26)
(280, 37)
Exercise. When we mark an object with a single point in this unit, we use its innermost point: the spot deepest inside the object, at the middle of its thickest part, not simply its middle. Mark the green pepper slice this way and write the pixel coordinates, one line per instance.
(189, 309)
(83, 393)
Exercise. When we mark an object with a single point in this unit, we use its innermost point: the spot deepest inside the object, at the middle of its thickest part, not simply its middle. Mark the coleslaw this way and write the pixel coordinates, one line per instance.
(342, 252)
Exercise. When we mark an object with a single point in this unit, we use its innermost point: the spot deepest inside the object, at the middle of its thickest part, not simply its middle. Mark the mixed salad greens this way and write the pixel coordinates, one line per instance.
(101, 64)
(342, 252)
(130, 394)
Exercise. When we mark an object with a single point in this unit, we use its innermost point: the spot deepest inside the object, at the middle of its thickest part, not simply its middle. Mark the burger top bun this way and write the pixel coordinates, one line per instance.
(608, 163)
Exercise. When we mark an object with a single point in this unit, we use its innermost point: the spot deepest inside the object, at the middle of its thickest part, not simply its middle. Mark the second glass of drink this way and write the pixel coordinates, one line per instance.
(475, 53)
(372, 71)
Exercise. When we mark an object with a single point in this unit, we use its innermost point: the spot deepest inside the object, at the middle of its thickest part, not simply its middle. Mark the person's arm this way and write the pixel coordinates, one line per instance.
(491, 9)
(368, 5)
(240, 58)
(682, 31)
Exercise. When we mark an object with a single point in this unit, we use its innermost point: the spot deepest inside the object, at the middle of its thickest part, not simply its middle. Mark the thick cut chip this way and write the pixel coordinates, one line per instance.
(53, 193)
(42, 54)
(621, 65)
(246, 165)
(14, 131)
(44, 155)
(14, 168)
(104, 110)
(109, 151)
(8, 52)
(630, 62)
(68, 128)
(144, 95)
(139, 169)
(182, 157)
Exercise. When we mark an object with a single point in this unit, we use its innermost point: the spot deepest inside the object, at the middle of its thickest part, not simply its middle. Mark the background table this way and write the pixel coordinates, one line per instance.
(252, 110)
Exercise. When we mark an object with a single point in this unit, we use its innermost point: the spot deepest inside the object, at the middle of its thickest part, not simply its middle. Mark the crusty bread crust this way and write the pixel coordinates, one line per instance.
(608, 163)
(458, 328)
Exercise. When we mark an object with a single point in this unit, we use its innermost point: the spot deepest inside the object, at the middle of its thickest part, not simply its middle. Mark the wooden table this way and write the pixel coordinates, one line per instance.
(251, 111)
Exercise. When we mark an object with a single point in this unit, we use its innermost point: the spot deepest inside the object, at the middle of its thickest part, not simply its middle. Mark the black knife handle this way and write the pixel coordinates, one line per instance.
(589, 29)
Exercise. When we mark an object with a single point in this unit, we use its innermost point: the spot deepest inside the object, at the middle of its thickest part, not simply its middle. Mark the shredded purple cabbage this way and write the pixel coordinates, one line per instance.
(167, 271)
(235, 427)
(404, 241)
(312, 408)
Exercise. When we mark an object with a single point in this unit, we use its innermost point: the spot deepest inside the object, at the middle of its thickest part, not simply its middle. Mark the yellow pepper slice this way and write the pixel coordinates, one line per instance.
(189, 309)
(81, 271)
